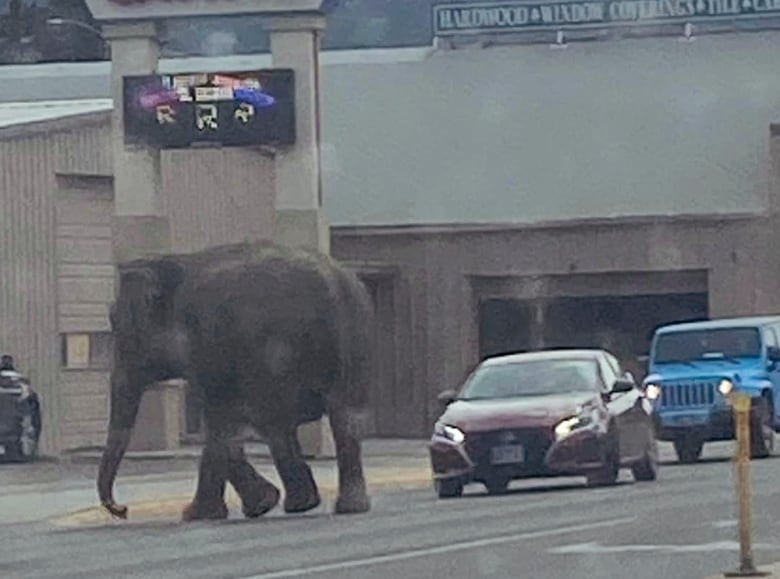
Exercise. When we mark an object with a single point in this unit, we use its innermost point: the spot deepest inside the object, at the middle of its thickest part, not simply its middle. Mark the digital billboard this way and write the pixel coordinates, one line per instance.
(231, 109)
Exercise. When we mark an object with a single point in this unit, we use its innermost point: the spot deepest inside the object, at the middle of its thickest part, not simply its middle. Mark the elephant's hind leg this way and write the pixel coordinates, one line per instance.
(352, 495)
(258, 495)
(301, 493)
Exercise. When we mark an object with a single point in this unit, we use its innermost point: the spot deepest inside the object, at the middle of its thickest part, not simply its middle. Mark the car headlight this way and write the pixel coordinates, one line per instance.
(652, 391)
(568, 425)
(449, 432)
(725, 387)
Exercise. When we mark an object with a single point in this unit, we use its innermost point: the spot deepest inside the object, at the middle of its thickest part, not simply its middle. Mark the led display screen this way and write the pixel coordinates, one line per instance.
(229, 109)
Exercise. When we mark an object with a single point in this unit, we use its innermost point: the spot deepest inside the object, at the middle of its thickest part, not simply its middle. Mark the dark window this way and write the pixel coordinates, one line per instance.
(91, 351)
(695, 345)
(532, 378)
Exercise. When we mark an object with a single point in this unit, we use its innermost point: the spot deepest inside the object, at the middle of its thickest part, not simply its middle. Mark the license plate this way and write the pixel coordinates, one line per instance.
(2, 450)
(509, 454)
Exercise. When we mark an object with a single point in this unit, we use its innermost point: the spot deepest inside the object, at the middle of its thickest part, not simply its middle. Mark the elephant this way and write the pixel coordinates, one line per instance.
(265, 336)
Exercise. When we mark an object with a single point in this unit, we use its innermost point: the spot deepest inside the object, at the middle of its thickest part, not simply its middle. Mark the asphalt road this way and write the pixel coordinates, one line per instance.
(682, 526)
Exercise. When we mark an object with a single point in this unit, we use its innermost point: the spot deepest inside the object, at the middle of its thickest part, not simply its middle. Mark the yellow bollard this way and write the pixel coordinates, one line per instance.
(741, 406)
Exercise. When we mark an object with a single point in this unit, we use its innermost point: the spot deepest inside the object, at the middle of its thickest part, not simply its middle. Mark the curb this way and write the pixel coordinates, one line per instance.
(168, 509)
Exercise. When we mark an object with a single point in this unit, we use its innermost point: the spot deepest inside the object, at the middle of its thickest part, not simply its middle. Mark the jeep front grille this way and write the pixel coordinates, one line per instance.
(688, 394)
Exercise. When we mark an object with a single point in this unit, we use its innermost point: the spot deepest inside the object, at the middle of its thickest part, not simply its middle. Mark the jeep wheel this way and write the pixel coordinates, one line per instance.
(688, 450)
(762, 434)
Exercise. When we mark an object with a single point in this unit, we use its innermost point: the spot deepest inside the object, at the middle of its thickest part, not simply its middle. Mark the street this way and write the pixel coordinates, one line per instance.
(682, 526)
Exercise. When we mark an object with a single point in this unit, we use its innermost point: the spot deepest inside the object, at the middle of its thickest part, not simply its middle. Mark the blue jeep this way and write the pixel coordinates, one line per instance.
(694, 366)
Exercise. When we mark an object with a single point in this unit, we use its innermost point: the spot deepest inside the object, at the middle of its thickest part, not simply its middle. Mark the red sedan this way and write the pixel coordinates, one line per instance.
(539, 414)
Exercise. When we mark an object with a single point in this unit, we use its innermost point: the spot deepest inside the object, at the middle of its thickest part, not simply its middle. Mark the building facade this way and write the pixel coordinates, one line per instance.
(493, 199)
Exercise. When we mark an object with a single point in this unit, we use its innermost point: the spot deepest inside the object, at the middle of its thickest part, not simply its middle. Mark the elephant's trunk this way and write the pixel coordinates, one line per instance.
(118, 439)
(125, 401)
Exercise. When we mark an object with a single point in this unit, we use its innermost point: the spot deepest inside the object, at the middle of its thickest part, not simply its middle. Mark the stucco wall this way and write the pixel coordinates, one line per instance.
(437, 333)
(528, 133)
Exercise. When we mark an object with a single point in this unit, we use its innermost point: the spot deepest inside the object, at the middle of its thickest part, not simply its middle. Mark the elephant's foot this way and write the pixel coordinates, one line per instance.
(301, 492)
(265, 498)
(197, 511)
(302, 502)
(350, 502)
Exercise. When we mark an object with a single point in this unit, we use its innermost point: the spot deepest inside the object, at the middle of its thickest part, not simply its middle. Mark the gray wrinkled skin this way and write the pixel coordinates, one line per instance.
(265, 336)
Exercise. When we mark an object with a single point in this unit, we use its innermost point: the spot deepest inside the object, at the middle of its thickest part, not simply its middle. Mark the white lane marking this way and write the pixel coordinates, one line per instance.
(415, 553)
(596, 548)
(725, 524)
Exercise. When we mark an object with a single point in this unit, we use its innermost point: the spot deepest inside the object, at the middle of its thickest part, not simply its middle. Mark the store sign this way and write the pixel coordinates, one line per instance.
(241, 109)
(475, 18)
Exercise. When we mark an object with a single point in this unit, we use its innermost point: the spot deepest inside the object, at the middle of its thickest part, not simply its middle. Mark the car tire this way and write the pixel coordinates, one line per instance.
(497, 485)
(646, 469)
(449, 489)
(688, 450)
(609, 473)
(762, 434)
(25, 448)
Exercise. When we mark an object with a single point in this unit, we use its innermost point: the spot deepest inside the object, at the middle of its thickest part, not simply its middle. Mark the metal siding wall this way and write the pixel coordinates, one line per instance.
(86, 151)
(211, 196)
(216, 196)
(28, 323)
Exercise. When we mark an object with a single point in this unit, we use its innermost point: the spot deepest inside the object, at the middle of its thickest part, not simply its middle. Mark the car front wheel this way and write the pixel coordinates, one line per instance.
(688, 451)
(448, 489)
(647, 468)
(609, 473)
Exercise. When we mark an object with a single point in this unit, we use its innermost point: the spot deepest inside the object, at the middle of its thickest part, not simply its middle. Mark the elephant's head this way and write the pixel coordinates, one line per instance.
(148, 348)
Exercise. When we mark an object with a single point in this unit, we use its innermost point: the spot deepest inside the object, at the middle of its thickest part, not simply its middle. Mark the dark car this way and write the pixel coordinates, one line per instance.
(20, 418)
(539, 414)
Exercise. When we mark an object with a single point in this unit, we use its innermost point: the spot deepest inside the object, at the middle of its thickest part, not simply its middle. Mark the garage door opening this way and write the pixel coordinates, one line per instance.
(504, 327)
(622, 324)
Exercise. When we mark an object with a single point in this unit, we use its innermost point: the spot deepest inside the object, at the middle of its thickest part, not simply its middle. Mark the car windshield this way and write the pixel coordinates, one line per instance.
(532, 378)
(701, 344)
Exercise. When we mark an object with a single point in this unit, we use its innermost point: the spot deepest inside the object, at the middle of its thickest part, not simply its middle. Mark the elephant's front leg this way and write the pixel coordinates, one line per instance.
(258, 495)
(301, 493)
(352, 497)
(209, 501)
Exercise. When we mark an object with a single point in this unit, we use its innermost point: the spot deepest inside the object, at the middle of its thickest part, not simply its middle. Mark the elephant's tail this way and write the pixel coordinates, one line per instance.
(355, 327)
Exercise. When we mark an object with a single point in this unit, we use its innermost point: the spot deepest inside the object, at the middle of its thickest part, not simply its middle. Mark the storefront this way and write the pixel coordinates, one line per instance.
(494, 199)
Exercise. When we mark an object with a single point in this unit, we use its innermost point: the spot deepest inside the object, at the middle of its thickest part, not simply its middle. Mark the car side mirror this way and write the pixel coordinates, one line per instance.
(623, 384)
(447, 396)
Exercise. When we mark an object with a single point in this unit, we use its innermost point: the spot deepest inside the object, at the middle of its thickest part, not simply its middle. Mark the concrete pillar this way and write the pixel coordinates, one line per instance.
(295, 44)
(139, 226)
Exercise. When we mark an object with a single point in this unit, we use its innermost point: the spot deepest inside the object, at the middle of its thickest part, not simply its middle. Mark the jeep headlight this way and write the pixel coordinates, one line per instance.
(725, 387)
(652, 391)
(565, 427)
(452, 433)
